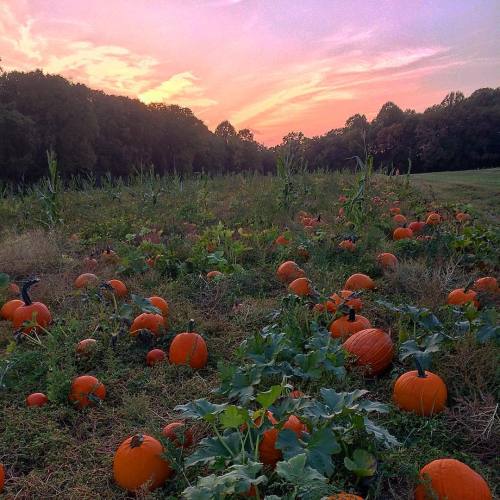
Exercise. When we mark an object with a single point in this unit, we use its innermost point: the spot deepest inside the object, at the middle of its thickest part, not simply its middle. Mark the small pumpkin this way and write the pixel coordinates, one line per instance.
(86, 347)
(387, 260)
(109, 256)
(119, 287)
(281, 240)
(289, 271)
(417, 226)
(462, 217)
(155, 356)
(86, 280)
(90, 263)
(296, 394)
(372, 348)
(486, 284)
(347, 297)
(395, 210)
(154, 323)
(451, 479)
(13, 290)
(138, 461)
(36, 312)
(433, 219)
(348, 245)
(179, 433)
(461, 296)
(400, 219)
(37, 399)
(160, 303)
(421, 392)
(359, 281)
(268, 453)
(303, 252)
(402, 233)
(347, 325)
(213, 274)
(188, 348)
(2, 478)
(8, 309)
(301, 287)
(86, 390)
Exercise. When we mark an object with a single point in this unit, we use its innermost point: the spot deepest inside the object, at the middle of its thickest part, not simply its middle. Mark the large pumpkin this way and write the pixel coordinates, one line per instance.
(138, 462)
(402, 233)
(420, 392)
(86, 390)
(153, 323)
(301, 287)
(387, 260)
(373, 349)
(359, 281)
(460, 297)
(486, 284)
(289, 271)
(188, 348)
(31, 311)
(119, 287)
(86, 280)
(451, 479)
(347, 325)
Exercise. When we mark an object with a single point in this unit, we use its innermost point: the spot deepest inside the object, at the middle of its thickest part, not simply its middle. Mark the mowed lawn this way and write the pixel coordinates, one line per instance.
(479, 188)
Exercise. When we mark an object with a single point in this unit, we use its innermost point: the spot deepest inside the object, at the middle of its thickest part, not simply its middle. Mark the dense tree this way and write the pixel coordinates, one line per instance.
(94, 132)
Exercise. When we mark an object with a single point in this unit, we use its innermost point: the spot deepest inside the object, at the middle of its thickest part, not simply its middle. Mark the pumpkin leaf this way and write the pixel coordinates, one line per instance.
(233, 417)
(4, 280)
(380, 434)
(363, 464)
(267, 398)
(200, 409)
(144, 305)
(216, 451)
(296, 471)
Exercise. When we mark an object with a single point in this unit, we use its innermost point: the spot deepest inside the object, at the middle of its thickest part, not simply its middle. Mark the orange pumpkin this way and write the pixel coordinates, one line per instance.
(86, 390)
(13, 290)
(451, 479)
(154, 323)
(301, 287)
(417, 226)
(402, 233)
(119, 287)
(420, 392)
(295, 394)
(86, 347)
(346, 297)
(400, 219)
(155, 356)
(213, 274)
(387, 260)
(160, 304)
(8, 309)
(86, 280)
(289, 271)
(37, 399)
(372, 348)
(395, 210)
(188, 348)
(138, 461)
(433, 219)
(359, 281)
(281, 240)
(268, 453)
(179, 434)
(2, 478)
(347, 325)
(486, 284)
(462, 217)
(460, 297)
(90, 263)
(31, 311)
(348, 245)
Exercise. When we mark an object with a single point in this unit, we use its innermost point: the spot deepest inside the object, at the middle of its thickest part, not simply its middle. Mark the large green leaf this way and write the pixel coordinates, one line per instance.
(200, 409)
(363, 464)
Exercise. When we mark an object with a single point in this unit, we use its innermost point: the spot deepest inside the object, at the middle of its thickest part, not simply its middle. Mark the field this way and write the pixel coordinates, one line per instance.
(161, 236)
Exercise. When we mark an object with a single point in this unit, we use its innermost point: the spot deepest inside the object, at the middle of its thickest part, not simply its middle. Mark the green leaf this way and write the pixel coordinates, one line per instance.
(215, 451)
(233, 417)
(200, 409)
(4, 280)
(296, 471)
(380, 434)
(144, 305)
(267, 398)
(363, 464)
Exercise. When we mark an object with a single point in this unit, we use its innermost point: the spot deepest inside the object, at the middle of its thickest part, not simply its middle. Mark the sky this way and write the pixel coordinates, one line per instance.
(269, 65)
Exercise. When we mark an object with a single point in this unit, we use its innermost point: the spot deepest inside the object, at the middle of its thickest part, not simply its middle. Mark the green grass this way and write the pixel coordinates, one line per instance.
(58, 451)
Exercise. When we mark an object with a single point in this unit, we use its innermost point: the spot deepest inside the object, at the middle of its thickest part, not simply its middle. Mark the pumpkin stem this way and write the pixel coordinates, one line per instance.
(24, 292)
(137, 440)
(352, 315)
(191, 326)
(468, 286)
(420, 369)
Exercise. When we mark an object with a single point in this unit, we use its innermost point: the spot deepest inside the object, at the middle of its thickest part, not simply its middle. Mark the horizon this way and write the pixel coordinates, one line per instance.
(266, 68)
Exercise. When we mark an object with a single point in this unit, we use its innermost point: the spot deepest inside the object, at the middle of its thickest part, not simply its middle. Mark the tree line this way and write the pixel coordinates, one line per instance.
(92, 132)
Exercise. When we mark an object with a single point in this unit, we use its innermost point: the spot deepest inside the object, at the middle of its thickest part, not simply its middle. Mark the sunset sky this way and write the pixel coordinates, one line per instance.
(270, 65)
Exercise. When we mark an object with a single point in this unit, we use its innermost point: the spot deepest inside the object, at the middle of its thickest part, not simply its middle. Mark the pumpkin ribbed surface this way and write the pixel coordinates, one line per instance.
(373, 348)
(452, 480)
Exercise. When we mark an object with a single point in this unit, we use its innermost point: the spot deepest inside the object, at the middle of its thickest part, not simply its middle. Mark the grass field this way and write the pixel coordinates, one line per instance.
(168, 234)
